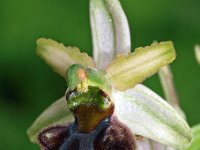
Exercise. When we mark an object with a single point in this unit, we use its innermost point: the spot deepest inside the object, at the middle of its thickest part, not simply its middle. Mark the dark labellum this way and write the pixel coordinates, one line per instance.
(94, 128)
(110, 134)
(53, 137)
(115, 136)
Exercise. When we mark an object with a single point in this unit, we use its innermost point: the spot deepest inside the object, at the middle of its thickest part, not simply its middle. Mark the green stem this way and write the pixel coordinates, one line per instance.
(167, 82)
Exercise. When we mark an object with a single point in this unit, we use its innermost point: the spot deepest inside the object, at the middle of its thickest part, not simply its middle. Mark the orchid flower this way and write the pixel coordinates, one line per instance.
(105, 106)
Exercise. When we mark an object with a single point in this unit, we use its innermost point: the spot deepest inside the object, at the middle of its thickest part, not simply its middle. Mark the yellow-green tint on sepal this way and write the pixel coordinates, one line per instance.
(60, 57)
(128, 70)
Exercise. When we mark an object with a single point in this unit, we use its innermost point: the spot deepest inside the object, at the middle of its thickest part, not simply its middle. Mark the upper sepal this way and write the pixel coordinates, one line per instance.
(110, 31)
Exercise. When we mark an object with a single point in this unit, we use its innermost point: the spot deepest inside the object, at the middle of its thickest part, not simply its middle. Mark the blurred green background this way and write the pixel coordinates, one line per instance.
(28, 85)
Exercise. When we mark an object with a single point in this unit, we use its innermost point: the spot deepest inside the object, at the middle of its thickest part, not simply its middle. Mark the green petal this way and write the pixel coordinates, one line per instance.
(60, 57)
(148, 115)
(127, 71)
(57, 113)
(196, 139)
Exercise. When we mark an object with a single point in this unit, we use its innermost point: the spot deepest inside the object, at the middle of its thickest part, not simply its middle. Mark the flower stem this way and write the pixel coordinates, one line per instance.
(167, 82)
